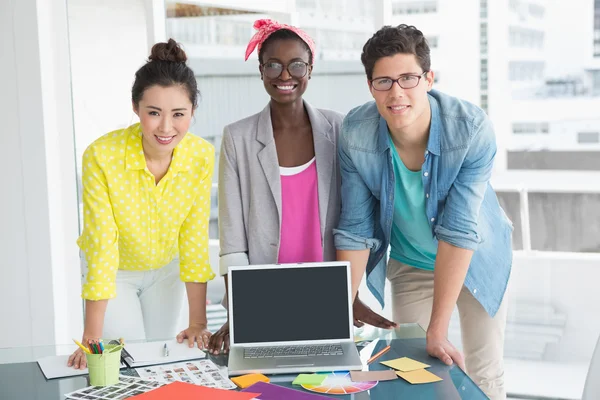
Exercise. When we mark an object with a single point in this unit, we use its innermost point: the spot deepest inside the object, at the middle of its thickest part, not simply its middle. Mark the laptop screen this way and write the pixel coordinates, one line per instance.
(290, 304)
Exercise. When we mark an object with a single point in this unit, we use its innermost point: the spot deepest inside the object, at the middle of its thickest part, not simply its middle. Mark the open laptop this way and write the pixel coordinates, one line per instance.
(289, 318)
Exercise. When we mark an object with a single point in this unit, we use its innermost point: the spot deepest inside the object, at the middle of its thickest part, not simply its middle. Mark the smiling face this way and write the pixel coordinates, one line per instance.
(402, 108)
(165, 116)
(292, 55)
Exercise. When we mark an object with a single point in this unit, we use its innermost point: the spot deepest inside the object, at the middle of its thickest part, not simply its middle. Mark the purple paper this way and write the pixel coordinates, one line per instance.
(274, 392)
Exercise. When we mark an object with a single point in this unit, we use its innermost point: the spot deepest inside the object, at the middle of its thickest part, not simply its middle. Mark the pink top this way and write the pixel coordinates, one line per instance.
(300, 224)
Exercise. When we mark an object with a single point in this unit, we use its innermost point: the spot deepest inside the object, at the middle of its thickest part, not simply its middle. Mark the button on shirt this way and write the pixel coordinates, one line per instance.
(130, 223)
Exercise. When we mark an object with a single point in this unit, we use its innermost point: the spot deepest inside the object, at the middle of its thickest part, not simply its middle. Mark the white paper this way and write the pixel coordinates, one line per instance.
(202, 373)
(151, 353)
(127, 387)
(56, 367)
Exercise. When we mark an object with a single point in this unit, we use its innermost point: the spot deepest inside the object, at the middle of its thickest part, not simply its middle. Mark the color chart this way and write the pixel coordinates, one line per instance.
(340, 383)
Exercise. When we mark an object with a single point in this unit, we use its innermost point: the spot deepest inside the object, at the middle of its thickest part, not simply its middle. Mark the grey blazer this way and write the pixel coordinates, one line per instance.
(250, 187)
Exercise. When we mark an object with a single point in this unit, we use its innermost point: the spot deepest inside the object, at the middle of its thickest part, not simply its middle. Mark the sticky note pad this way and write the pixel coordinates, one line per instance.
(309, 379)
(248, 380)
(370, 376)
(405, 364)
(419, 376)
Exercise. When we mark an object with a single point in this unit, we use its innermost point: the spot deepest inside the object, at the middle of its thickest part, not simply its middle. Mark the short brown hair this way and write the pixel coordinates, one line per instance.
(392, 40)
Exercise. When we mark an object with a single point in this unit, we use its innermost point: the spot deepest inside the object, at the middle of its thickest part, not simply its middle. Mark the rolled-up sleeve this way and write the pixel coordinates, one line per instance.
(356, 227)
(193, 237)
(461, 212)
(100, 237)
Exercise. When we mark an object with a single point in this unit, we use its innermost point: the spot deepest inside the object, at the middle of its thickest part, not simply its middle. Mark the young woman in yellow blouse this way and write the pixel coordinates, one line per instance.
(146, 199)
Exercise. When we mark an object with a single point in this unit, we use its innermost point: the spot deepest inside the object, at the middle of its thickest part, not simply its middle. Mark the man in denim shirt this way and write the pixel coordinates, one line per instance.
(416, 166)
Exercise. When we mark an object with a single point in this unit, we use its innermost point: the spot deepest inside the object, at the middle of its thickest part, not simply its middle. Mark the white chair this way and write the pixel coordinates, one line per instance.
(591, 390)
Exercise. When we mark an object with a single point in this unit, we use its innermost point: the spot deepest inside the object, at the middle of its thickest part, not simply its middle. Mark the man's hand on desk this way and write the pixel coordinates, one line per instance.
(438, 346)
(220, 339)
(364, 315)
(195, 333)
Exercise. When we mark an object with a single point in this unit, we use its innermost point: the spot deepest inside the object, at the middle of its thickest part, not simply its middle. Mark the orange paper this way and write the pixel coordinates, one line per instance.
(187, 391)
(248, 380)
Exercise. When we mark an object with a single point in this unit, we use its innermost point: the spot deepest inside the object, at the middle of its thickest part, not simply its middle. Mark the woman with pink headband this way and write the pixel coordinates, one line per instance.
(279, 179)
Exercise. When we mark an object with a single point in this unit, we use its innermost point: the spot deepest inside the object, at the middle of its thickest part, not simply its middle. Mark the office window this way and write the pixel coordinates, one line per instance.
(526, 70)
(432, 41)
(530, 128)
(588, 137)
(537, 11)
(526, 38)
(415, 7)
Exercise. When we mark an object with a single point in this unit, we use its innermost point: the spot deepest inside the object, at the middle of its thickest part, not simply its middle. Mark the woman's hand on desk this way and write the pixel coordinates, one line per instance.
(220, 338)
(195, 334)
(77, 360)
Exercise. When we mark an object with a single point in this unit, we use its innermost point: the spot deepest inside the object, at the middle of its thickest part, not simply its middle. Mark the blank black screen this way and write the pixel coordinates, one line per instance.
(290, 304)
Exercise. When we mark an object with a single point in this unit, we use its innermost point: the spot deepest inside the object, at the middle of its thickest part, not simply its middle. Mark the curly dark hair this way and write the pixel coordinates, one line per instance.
(391, 40)
(283, 34)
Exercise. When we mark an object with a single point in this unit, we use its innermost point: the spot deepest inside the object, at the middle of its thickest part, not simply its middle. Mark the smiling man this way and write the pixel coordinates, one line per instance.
(416, 166)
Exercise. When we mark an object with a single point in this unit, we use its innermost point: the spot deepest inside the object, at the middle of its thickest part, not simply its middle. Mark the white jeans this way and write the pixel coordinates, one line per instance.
(482, 335)
(147, 305)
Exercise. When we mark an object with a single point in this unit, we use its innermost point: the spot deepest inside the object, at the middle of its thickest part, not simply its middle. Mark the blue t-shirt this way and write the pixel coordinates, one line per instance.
(412, 242)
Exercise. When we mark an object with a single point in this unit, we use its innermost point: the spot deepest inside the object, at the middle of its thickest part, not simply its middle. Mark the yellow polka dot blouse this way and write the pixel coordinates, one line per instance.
(130, 223)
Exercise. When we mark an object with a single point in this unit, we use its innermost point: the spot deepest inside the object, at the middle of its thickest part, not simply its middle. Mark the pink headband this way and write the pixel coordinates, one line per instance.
(266, 27)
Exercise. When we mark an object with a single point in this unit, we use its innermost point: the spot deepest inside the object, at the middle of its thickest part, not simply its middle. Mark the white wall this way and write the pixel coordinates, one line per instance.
(38, 207)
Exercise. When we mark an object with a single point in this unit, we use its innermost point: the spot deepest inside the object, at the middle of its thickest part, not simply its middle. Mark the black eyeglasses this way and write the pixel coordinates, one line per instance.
(407, 81)
(296, 69)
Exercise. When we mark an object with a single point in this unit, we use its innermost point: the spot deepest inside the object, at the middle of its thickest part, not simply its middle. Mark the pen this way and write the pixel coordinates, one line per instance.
(385, 349)
(165, 351)
(101, 347)
(82, 347)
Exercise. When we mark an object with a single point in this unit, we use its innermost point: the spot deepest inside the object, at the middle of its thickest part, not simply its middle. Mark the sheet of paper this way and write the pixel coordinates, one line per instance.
(185, 391)
(419, 376)
(248, 380)
(201, 372)
(309, 379)
(269, 391)
(127, 387)
(405, 364)
(151, 353)
(370, 376)
(56, 367)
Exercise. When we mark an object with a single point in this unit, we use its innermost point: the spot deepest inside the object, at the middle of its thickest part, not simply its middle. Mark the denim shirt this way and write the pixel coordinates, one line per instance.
(461, 206)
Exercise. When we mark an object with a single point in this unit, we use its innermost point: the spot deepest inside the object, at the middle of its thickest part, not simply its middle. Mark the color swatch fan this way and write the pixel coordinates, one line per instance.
(340, 383)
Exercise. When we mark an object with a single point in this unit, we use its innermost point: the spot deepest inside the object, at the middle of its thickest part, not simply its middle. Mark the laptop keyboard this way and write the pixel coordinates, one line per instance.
(294, 351)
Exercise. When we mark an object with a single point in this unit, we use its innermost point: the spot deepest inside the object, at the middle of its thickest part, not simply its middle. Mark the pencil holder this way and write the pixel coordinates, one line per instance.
(104, 368)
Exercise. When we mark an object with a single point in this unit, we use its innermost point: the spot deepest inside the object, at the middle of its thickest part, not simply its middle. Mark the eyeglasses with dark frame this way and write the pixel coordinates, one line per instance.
(296, 69)
(407, 81)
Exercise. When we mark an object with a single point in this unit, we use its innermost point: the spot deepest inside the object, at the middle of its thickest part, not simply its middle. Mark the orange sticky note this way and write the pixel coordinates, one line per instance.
(248, 380)
(187, 391)
(419, 376)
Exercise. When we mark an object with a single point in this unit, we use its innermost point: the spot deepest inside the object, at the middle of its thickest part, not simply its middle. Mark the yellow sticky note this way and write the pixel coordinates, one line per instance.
(419, 376)
(405, 364)
(358, 339)
(248, 380)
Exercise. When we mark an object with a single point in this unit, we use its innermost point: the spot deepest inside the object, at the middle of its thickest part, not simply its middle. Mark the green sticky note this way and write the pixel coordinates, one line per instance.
(309, 379)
